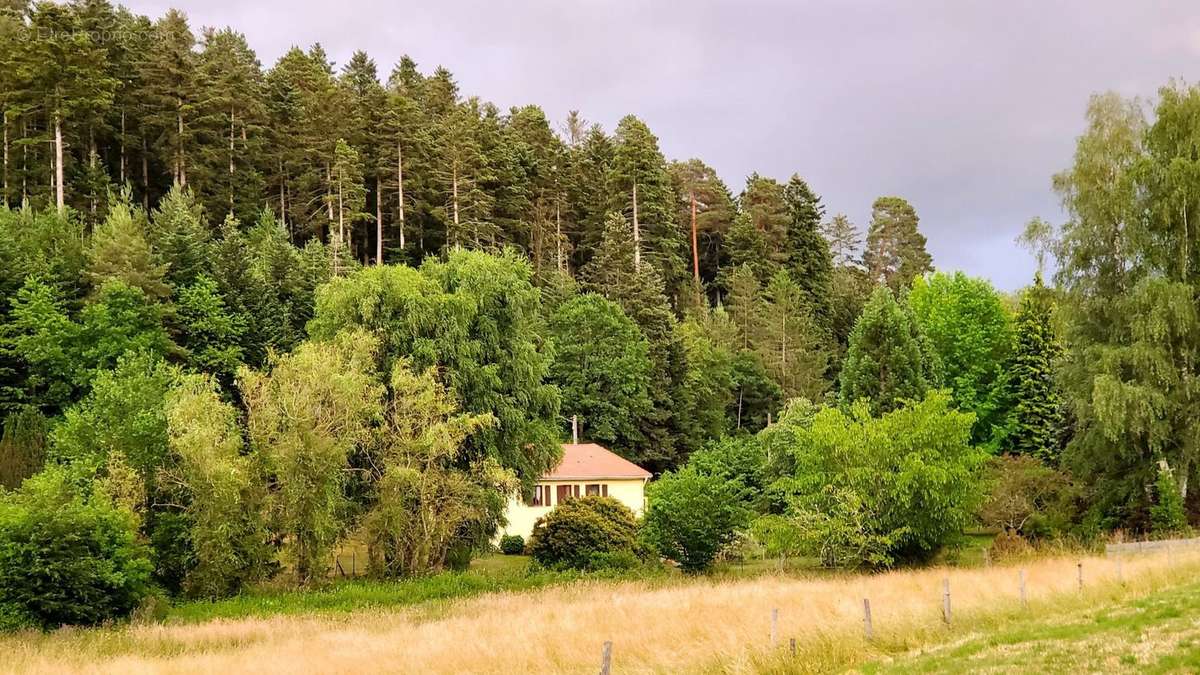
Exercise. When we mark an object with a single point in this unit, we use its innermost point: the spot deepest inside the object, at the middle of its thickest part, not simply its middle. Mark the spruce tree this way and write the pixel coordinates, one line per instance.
(763, 201)
(788, 340)
(844, 239)
(181, 237)
(746, 246)
(1036, 417)
(884, 363)
(809, 259)
(119, 251)
(170, 93)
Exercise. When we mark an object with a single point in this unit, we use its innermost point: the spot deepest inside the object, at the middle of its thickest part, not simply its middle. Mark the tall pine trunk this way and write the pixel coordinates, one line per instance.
(122, 147)
(400, 189)
(6, 158)
(182, 162)
(695, 250)
(637, 235)
(558, 240)
(378, 220)
(231, 181)
(58, 164)
(454, 199)
(145, 176)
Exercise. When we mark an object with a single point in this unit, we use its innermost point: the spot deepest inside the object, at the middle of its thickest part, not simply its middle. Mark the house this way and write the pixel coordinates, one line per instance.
(585, 469)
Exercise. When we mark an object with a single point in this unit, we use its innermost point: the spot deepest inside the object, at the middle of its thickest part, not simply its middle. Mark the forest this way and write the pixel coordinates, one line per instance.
(250, 312)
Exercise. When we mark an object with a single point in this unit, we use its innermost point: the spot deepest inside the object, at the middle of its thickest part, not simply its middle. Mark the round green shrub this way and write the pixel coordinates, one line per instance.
(66, 559)
(512, 544)
(573, 532)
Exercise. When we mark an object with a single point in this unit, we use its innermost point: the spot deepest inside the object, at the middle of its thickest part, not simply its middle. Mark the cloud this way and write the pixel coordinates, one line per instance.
(965, 109)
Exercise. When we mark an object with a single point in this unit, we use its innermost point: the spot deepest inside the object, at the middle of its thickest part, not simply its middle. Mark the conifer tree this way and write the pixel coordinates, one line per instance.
(1036, 417)
(747, 247)
(181, 236)
(347, 198)
(809, 259)
(119, 250)
(170, 92)
(844, 239)
(884, 363)
(704, 208)
(764, 202)
(895, 253)
(789, 342)
(640, 188)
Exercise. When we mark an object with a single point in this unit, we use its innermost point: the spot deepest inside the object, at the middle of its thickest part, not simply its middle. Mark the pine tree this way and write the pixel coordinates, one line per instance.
(884, 363)
(844, 239)
(640, 188)
(809, 259)
(347, 198)
(230, 125)
(705, 209)
(895, 253)
(764, 202)
(746, 246)
(589, 161)
(119, 250)
(170, 92)
(181, 237)
(1037, 407)
(789, 342)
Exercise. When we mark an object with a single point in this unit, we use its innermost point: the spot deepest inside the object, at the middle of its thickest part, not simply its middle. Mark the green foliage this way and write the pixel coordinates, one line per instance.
(572, 532)
(877, 490)
(1167, 515)
(181, 237)
(222, 487)
(1035, 419)
(971, 333)
(1028, 498)
(23, 436)
(602, 368)
(512, 544)
(895, 253)
(209, 331)
(693, 515)
(67, 558)
(476, 317)
(304, 418)
(118, 250)
(884, 364)
(431, 503)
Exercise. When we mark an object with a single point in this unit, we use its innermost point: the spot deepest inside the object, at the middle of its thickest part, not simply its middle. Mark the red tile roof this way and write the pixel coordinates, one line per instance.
(588, 460)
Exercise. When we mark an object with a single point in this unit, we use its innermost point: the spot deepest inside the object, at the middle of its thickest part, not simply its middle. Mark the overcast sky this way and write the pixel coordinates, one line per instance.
(964, 108)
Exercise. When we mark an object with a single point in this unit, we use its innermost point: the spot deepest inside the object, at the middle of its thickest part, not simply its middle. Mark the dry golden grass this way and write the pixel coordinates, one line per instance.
(711, 626)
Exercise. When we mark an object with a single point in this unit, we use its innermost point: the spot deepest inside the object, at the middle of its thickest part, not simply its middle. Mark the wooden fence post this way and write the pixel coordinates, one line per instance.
(987, 557)
(774, 626)
(1024, 603)
(606, 658)
(870, 633)
(793, 647)
(946, 600)
(1079, 572)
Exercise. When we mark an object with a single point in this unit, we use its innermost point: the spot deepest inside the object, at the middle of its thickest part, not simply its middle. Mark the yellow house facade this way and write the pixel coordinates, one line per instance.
(586, 469)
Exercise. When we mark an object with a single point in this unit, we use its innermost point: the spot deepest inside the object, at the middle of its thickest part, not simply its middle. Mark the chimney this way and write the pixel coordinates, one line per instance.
(575, 429)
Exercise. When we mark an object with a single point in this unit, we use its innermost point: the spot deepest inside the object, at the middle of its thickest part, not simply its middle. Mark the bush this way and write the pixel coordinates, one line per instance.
(572, 532)
(1027, 498)
(693, 515)
(67, 559)
(512, 544)
(878, 490)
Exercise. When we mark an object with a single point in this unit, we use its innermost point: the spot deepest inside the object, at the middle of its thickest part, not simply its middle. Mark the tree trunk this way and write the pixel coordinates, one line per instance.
(400, 189)
(328, 192)
(92, 164)
(378, 220)
(123, 146)
(58, 164)
(182, 161)
(282, 198)
(6, 158)
(558, 234)
(695, 251)
(231, 181)
(145, 176)
(637, 235)
(454, 199)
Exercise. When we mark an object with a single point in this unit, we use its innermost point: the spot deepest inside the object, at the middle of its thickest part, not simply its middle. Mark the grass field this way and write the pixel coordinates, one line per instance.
(706, 625)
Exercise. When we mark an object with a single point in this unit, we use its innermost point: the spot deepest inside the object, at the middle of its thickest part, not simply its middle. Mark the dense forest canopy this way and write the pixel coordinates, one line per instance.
(259, 310)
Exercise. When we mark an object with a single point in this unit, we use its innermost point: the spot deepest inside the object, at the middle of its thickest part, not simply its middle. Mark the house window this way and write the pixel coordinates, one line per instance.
(541, 496)
(565, 493)
(593, 489)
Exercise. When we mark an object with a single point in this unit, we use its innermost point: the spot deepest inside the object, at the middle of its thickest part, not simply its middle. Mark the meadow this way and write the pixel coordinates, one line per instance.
(707, 624)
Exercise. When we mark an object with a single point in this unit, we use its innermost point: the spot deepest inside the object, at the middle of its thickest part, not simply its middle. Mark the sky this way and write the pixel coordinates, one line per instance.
(964, 108)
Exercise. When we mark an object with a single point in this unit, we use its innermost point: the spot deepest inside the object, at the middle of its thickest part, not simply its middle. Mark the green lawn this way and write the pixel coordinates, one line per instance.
(1158, 633)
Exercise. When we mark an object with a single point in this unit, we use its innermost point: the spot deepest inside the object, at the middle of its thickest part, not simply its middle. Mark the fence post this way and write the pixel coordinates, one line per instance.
(354, 563)
(946, 600)
(987, 557)
(867, 620)
(793, 647)
(1079, 568)
(774, 626)
(1024, 604)
(606, 658)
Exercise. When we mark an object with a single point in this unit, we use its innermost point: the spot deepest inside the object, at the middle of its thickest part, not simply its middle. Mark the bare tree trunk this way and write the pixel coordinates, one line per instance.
(328, 192)
(637, 234)
(6, 158)
(378, 220)
(695, 250)
(24, 164)
(282, 198)
(231, 182)
(454, 199)
(558, 235)
(400, 189)
(58, 164)
(145, 176)
(123, 177)
(92, 164)
(182, 159)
